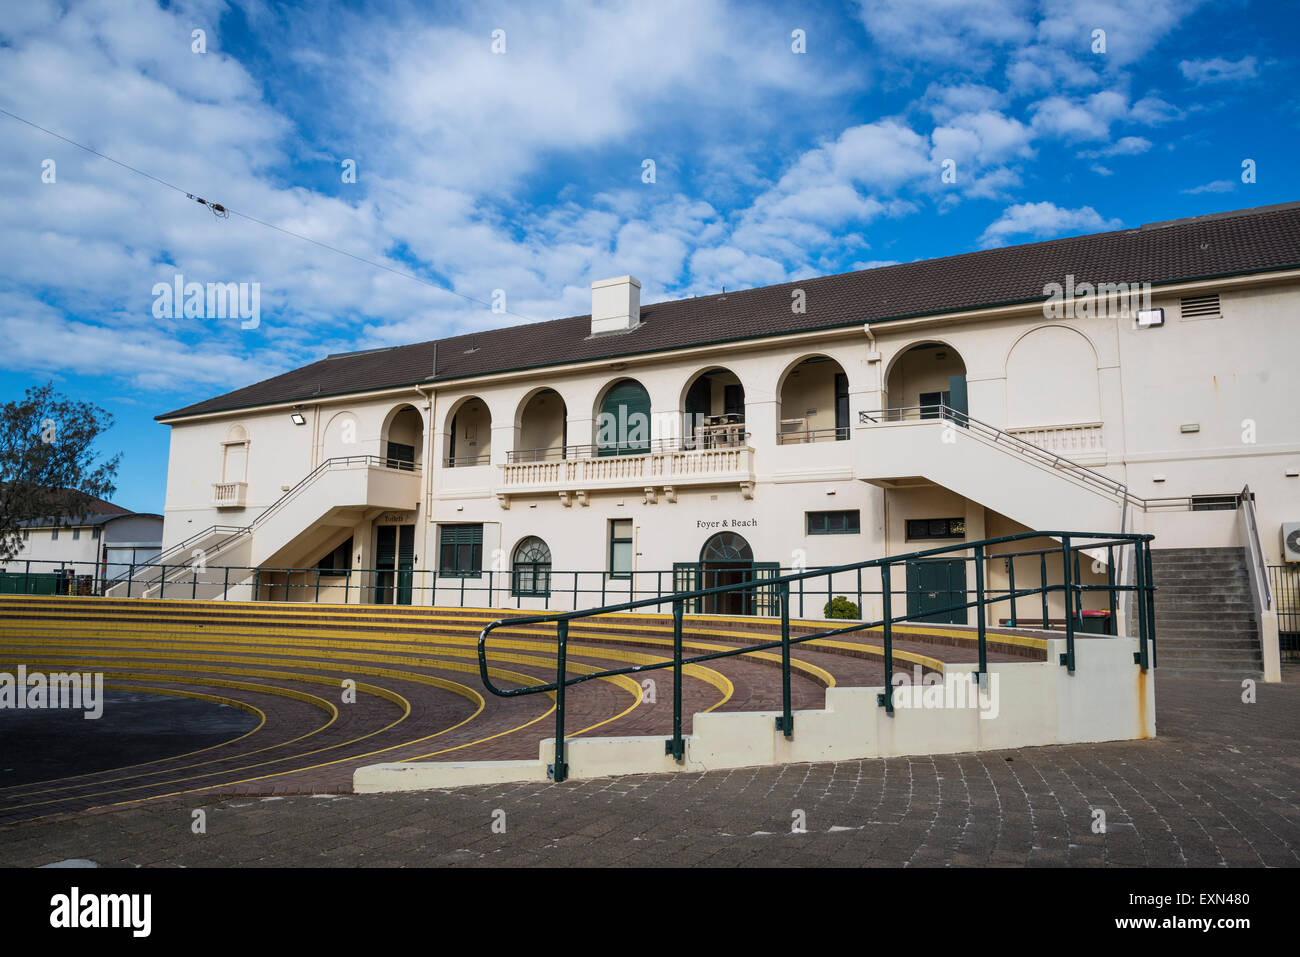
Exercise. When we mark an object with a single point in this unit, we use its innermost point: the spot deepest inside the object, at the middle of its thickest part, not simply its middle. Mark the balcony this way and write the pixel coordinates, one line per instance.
(651, 468)
(229, 494)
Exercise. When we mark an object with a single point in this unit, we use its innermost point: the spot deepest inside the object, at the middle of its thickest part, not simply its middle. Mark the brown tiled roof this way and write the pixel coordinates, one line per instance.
(85, 510)
(1202, 247)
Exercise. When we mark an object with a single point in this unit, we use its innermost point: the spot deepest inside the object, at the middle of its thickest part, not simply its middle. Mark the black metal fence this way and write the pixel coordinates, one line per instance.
(1065, 559)
(816, 592)
(1285, 580)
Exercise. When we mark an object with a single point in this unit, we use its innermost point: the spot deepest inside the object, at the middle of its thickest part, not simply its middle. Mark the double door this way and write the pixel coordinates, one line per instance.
(394, 564)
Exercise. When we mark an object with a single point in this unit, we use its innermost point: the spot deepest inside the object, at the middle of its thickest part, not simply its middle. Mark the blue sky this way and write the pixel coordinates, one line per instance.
(523, 171)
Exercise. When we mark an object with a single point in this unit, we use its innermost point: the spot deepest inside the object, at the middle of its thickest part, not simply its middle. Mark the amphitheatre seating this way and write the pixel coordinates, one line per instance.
(418, 696)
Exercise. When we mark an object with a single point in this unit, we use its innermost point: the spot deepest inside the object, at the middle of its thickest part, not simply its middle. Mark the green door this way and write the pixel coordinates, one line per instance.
(957, 394)
(935, 584)
(405, 563)
(385, 561)
(623, 427)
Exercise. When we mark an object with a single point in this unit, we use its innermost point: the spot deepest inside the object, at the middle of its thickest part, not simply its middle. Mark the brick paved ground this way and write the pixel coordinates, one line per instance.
(1220, 786)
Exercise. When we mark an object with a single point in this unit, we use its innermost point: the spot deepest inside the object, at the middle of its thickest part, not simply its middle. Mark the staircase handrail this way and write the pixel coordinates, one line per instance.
(239, 531)
(1256, 561)
(1001, 436)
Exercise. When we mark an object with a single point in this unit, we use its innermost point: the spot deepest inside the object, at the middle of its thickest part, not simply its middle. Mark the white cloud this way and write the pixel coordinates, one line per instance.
(1042, 221)
(1218, 186)
(961, 34)
(1125, 146)
(1086, 119)
(1219, 70)
(945, 102)
(1152, 111)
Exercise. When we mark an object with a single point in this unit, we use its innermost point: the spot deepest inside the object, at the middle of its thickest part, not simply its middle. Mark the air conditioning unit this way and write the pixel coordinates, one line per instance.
(1291, 541)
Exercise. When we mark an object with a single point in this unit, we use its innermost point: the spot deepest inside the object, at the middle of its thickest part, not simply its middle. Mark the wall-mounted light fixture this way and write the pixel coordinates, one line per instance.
(1190, 427)
(1150, 317)
(298, 418)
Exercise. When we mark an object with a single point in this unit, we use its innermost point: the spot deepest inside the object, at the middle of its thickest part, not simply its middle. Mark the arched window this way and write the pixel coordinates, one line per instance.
(531, 568)
(726, 547)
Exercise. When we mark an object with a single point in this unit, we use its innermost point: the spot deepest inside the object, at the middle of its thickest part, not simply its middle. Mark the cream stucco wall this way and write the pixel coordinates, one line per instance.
(1126, 390)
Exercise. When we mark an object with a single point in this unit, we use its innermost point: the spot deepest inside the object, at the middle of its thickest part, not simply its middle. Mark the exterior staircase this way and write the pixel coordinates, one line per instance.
(898, 448)
(1205, 616)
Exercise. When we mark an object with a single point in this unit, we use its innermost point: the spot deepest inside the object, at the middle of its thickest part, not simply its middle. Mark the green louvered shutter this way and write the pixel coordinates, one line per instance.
(623, 427)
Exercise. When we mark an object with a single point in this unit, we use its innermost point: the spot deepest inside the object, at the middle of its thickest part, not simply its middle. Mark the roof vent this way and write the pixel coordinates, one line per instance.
(1200, 307)
(615, 305)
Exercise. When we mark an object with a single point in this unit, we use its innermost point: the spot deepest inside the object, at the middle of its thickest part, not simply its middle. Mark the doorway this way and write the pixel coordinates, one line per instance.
(394, 564)
(727, 559)
(933, 585)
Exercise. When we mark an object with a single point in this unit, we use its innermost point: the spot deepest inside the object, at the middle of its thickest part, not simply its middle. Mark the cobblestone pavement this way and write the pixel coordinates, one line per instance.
(1219, 786)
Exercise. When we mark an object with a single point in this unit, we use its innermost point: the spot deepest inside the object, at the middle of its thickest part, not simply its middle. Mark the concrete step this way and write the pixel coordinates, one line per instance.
(1199, 641)
(1195, 636)
(1215, 673)
(1161, 553)
(1182, 623)
(1166, 654)
(1205, 605)
(1194, 593)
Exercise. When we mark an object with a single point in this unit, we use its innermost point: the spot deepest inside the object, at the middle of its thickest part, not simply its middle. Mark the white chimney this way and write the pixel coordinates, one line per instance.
(615, 304)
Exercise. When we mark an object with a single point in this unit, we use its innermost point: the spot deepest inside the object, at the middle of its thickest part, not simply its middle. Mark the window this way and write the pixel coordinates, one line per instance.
(27, 534)
(1214, 503)
(461, 552)
(833, 523)
(76, 534)
(54, 534)
(94, 533)
(337, 562)
(531, 568)
(930, 402)
(401, 456)
(936, 528)
(620, 548)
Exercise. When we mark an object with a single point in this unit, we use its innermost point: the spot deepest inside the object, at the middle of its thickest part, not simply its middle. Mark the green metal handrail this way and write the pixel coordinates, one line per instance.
(1071, 587)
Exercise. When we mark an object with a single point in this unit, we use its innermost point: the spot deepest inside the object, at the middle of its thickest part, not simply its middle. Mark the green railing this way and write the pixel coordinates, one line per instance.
(1073, 545)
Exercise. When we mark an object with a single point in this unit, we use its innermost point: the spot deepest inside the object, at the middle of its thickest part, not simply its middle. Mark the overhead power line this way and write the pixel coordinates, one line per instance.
(223, 212)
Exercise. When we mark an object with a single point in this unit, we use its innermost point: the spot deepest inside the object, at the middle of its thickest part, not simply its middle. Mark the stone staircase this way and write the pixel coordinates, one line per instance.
(1205, 616)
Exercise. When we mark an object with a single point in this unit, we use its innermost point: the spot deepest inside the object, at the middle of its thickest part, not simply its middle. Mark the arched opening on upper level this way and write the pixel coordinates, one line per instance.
(541, 428)
(925, 378)
(621, 425)
(401, 441)
(469, 434)
(713, 410)
(814, 402)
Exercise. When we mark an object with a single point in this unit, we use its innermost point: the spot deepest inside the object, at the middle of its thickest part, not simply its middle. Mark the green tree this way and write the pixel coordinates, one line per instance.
(48, 467)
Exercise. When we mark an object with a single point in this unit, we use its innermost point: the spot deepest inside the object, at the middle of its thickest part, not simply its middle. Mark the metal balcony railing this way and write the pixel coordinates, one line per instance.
(704, 440)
